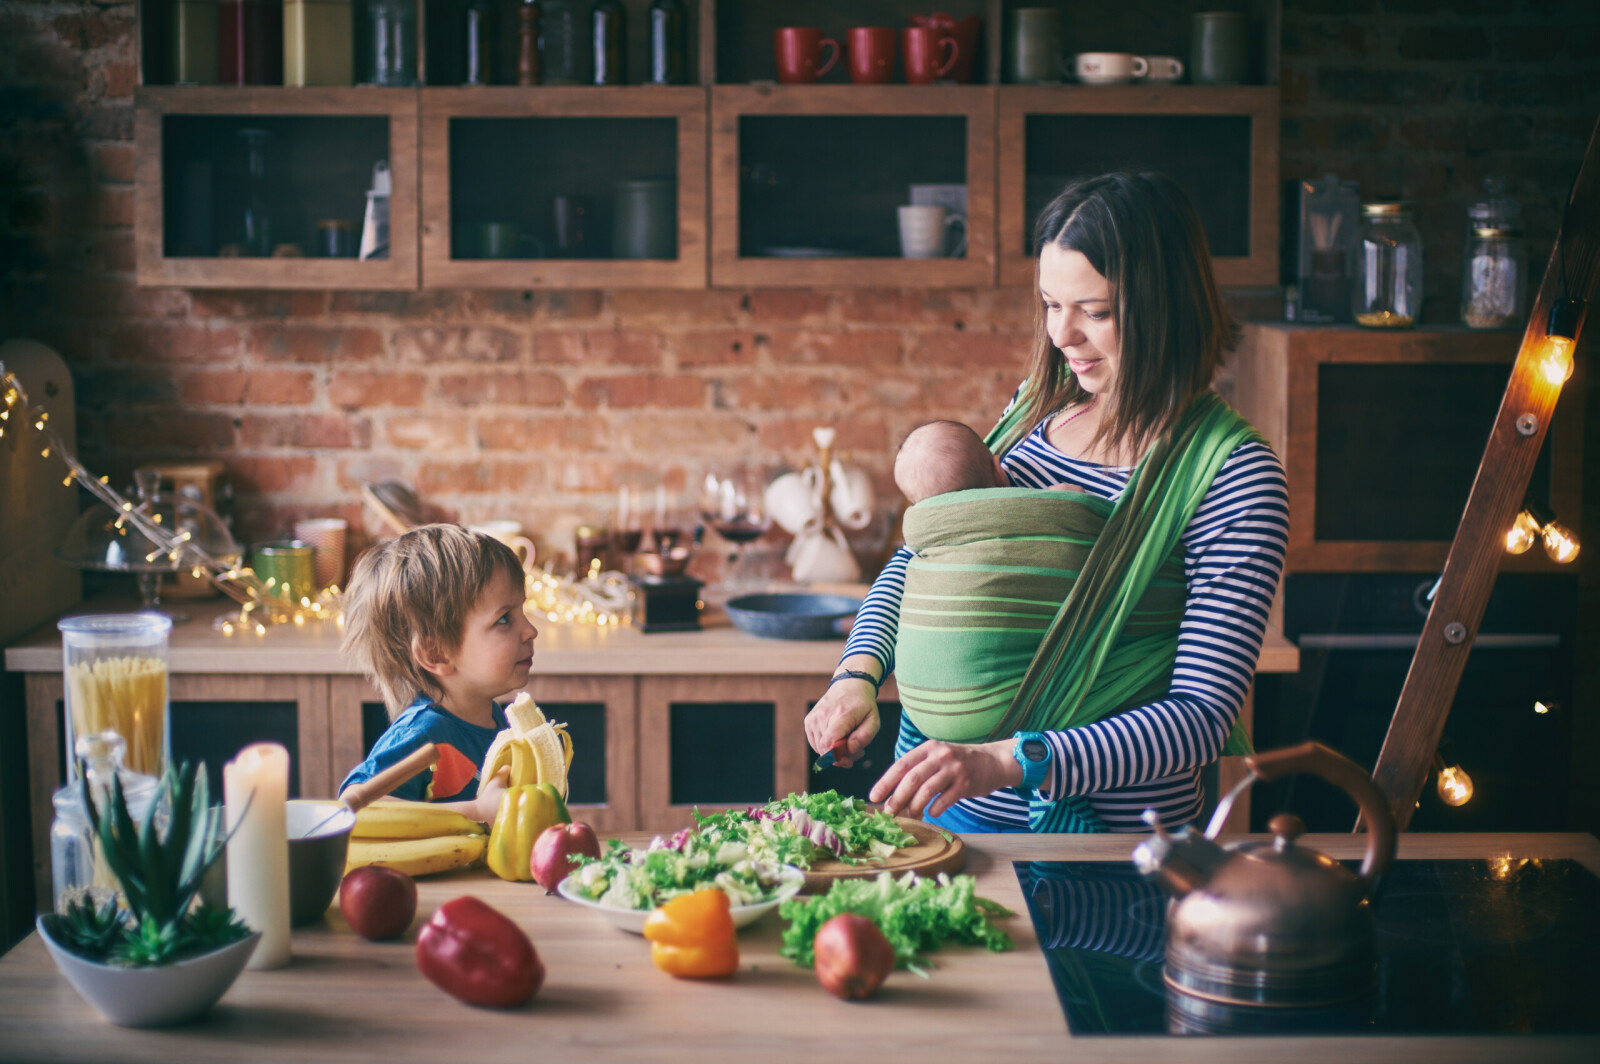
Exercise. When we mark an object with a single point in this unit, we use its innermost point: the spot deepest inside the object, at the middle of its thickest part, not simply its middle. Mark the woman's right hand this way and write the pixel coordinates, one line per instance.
(848, 710)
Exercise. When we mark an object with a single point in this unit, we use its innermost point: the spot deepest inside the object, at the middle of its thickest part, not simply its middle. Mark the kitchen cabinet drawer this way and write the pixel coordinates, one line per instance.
(806, 180)
(1219, 142)
(318, 147)
(714, 743)
(497, 157)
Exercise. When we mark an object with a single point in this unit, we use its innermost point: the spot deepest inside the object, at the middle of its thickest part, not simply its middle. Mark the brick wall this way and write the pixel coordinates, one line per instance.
(536, 406)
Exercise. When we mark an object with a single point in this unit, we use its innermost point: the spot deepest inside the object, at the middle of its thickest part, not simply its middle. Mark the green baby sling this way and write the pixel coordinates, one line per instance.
(1030, 610)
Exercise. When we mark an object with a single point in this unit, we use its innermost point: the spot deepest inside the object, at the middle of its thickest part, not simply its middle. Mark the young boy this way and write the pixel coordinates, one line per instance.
(435, 618)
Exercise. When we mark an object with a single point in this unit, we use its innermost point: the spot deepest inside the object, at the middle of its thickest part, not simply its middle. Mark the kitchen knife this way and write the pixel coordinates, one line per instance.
(827, 759)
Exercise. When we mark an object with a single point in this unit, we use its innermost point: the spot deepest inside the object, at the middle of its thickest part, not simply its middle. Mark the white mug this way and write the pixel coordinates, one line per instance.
(922, 228)
(1109, 68)
(1163, 68)
(510, 533)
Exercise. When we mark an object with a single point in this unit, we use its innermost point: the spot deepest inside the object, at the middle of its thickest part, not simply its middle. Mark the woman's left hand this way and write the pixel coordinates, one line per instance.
(947, 772)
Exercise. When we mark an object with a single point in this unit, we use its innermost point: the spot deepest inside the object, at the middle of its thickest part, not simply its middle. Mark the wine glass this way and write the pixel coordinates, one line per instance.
(627, 526)
(733, 504)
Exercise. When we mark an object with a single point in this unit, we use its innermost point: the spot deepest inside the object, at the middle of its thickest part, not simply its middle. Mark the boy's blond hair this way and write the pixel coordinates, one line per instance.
(415, 592)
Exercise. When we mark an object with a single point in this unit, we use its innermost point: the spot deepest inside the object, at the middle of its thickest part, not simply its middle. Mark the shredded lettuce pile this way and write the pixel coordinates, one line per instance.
(915, 914)
(804, 828)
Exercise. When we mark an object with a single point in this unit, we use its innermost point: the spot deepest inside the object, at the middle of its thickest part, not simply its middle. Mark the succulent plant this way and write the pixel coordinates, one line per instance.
(89, 929)
(158, 869)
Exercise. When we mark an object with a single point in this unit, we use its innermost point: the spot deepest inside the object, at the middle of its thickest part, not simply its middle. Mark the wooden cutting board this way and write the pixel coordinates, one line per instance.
(935, 851)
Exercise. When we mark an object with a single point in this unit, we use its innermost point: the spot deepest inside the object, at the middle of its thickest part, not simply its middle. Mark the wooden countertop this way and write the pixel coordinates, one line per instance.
(345, 999)
(717, 649)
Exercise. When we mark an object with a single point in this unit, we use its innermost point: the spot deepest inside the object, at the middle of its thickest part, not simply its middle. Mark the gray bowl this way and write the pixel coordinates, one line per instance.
(792, 616)
(316, 862)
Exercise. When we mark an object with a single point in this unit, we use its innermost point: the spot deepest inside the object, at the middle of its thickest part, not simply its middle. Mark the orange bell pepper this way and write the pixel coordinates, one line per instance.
(692, 936)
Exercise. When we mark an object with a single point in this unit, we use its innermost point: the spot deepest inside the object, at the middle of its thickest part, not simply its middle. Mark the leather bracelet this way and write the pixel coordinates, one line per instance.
(857, 674)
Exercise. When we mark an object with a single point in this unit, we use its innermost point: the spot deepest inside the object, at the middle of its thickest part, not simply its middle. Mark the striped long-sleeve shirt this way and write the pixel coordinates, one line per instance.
(1149, 756)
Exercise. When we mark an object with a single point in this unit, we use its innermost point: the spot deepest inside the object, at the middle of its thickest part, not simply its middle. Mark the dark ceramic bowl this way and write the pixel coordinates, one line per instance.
(792, 616)
(316, 862)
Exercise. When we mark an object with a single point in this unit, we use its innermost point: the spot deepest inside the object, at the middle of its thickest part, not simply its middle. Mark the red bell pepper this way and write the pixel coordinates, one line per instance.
(476, 953)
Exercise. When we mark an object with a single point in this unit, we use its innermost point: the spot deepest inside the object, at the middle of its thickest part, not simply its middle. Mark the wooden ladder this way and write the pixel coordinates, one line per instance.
(1497, 496)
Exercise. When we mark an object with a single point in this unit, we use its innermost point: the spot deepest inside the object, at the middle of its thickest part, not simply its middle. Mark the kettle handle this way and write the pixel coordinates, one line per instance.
(1349, 777)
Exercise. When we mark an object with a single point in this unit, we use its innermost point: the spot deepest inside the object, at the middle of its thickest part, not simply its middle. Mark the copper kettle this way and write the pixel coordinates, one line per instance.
(1270, 922)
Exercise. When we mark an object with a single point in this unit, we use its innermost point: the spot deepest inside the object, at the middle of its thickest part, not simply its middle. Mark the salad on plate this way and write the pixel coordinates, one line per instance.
(743, 852)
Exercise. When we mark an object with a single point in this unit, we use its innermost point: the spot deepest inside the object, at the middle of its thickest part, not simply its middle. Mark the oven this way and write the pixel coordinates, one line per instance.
(1510, 725)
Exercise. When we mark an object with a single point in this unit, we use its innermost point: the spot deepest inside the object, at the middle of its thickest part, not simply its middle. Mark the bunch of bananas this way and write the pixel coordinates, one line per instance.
(535, 749)
(416, 838)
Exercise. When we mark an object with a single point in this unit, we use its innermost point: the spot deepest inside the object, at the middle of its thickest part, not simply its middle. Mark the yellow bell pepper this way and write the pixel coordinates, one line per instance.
(524, 813)
(692, 936)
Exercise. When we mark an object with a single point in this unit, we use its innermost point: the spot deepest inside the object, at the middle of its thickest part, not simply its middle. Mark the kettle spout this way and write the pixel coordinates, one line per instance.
(1179, 861)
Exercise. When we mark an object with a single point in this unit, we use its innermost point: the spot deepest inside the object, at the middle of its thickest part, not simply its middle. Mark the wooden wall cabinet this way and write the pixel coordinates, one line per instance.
(775, 185)
(806, 180)
(1381, 432)
(1219, 142)
(501, 155)
(191, 185)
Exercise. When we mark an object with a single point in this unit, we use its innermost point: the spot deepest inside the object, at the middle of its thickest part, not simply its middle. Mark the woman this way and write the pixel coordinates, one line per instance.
(1129, 335)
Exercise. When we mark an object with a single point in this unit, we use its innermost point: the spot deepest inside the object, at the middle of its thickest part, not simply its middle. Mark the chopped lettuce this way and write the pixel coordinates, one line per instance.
(915, 914)
(643, 879)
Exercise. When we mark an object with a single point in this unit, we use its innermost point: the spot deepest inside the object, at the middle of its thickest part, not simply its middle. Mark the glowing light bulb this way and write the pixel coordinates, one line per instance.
(1455, 786)
(1557, 363)
(1524, 533)
(1542, 708)
(1559, 542)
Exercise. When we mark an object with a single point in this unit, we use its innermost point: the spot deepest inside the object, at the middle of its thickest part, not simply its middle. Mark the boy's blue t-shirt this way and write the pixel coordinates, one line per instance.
(462, 748)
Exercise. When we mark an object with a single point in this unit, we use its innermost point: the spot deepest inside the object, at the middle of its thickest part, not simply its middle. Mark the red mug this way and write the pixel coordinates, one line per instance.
(922, 46)
(872, 55)
(799, 49)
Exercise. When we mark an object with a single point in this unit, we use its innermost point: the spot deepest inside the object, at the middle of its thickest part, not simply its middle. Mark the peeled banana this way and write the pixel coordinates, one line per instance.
(534, 749)
(417, 857)
(396, 819)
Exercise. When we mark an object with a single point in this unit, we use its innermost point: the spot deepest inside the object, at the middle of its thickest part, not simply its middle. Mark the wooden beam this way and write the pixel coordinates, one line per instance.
(1497, 495)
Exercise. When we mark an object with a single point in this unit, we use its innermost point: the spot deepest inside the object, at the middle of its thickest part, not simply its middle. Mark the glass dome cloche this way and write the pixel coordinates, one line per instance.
(106, 540)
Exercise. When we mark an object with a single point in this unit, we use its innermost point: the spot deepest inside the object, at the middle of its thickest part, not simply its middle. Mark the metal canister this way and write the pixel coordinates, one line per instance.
(287, 567)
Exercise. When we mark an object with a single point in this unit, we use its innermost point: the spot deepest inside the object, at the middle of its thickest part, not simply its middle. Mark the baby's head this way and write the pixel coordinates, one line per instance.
(944, 456)
(416, 591)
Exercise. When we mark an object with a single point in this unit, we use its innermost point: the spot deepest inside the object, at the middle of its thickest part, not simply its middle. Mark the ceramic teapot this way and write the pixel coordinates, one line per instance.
(1271, 922)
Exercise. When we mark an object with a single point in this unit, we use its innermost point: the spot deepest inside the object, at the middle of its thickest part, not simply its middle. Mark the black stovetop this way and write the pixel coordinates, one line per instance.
(1499, 946)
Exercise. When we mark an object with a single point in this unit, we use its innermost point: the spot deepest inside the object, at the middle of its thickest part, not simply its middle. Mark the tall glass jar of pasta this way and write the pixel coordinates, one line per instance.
(1387, 289)
(115, 673)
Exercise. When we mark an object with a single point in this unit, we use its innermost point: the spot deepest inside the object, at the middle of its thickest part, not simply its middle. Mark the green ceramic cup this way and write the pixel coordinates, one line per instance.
(288, 567)
(1219, 49)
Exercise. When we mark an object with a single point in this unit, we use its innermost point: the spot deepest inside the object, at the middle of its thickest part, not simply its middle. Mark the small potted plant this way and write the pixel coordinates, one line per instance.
(164, 959)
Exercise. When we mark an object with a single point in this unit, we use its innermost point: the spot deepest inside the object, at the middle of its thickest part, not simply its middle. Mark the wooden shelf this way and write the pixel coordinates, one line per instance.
(155, 107)
(684, 106)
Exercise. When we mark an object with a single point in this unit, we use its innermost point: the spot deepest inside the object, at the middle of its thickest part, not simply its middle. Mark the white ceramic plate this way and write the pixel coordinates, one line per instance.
(632, 920)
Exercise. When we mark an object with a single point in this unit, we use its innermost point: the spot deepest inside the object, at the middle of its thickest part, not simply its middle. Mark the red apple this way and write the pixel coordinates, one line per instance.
(554, 848)
(853, 956)
(378, 902)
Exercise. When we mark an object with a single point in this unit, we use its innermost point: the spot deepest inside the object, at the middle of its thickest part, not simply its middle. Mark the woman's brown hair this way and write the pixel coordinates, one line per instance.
(1141, 233)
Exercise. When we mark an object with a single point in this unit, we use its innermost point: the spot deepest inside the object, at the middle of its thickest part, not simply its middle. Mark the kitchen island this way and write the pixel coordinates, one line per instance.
(343, 998)
(639, 679)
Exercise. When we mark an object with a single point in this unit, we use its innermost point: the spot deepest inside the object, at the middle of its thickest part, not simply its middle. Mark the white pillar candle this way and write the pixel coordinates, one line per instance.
(256, 787)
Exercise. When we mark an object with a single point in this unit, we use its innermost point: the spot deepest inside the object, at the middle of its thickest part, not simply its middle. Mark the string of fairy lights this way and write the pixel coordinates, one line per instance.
(600, 599)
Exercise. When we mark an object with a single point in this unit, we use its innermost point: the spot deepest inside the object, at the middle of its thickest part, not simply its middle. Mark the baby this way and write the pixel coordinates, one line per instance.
(944, 456)
(435, 619)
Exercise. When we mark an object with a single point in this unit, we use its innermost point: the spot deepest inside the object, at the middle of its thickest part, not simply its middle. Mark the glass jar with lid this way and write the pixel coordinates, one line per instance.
(77, 870)
(1386, 292)
(1494, 278)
